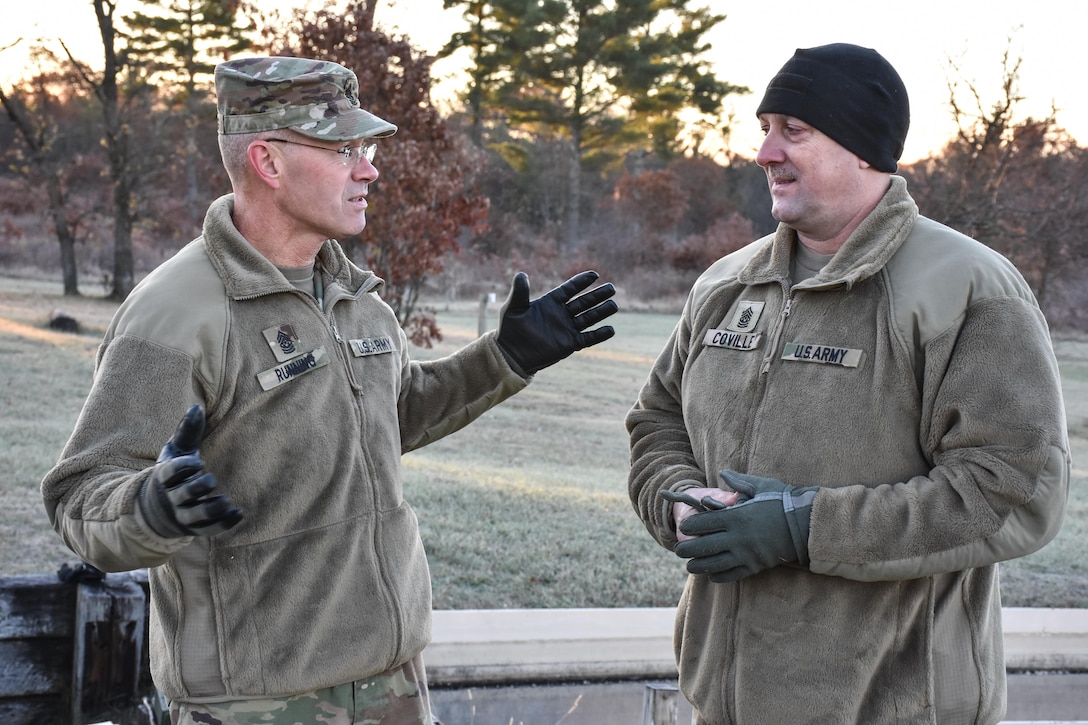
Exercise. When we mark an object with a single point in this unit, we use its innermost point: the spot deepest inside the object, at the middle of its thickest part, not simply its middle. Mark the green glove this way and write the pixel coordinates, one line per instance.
(768, 528)
(534, 335)
(176, 500)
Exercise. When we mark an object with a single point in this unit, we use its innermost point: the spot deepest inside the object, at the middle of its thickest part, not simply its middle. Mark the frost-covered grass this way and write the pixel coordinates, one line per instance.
(527, 507)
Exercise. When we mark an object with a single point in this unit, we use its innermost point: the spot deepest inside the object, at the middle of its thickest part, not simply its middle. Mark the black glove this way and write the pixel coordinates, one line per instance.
(534, 335)
(177, 499)
(767, 529)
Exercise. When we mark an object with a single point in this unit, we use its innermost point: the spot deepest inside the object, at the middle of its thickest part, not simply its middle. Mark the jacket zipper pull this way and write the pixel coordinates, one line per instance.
(776, 338)
(319, 291)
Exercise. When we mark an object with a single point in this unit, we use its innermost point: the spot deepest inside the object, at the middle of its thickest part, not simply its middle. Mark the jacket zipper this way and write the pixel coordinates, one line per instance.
(776, 341)
(776, 337)
(327, 312)
(346, 357)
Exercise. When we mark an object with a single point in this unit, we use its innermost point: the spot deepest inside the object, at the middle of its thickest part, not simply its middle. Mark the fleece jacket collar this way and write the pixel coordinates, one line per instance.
(865, 252)
(246, 273)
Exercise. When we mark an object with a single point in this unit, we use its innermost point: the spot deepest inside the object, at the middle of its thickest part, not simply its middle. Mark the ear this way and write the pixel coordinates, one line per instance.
(863, 164)
(265, 163)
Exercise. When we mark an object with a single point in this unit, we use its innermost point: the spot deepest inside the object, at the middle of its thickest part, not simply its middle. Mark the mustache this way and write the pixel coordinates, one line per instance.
(780, 173)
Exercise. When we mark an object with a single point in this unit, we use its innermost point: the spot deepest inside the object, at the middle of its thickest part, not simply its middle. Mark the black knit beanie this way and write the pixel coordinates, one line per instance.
(851, 94)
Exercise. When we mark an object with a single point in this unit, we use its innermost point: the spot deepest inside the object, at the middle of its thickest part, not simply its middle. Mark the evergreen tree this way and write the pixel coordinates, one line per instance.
(606, 76)
(176, 44)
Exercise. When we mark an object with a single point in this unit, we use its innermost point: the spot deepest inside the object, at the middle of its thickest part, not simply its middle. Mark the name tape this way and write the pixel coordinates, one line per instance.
(294, 368)
(825, 354)
(732, 340)
(371, 346)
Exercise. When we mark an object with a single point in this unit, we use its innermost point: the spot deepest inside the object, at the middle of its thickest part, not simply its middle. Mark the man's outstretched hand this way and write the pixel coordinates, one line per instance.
(178, 499)
(534, 335)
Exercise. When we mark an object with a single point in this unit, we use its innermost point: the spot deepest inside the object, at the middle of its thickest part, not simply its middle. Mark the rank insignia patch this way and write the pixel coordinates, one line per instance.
(283, 342)
(746, 317)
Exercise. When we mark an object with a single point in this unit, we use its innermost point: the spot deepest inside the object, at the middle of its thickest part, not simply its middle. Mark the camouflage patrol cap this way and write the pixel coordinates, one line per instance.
(316, 98)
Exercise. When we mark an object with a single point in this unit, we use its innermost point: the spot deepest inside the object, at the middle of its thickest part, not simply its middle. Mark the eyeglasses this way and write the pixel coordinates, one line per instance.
(349, 155)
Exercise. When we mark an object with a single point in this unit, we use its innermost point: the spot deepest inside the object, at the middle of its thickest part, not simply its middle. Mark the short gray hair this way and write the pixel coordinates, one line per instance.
(233, 148)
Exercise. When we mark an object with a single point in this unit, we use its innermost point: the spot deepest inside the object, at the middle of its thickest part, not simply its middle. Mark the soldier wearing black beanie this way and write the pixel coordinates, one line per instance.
(831, 442)
(851, 94)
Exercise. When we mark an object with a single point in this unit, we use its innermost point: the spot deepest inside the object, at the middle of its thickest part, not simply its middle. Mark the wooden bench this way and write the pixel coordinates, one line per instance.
(73, 648)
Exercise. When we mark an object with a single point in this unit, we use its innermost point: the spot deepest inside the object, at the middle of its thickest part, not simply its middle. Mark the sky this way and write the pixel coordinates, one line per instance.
(751, 44)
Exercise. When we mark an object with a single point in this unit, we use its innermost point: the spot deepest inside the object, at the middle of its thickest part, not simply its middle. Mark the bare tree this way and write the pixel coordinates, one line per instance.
(1014, 184)
(106, 90)
(36, 125)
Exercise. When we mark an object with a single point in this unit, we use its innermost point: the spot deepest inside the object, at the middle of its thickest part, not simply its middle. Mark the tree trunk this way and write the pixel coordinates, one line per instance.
(574, 205)
(64, 234)
(192, 182)
(123, 275)
(37, 144)
(192, 179)
(117, 150)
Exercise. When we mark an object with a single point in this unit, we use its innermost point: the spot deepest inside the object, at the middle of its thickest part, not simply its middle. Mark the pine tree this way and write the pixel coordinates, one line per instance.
(177, 44)
(607, 76)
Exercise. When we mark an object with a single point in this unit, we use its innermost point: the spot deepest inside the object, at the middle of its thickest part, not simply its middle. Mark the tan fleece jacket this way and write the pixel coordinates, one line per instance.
(325, 580)
(913, 380)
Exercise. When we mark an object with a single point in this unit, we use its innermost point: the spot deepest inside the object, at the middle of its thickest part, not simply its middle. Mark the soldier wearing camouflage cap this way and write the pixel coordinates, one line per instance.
(315, 98)
(287, 576)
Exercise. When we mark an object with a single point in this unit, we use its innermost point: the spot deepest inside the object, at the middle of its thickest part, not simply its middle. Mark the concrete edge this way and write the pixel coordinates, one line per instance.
(493, 646)
(1045, 639)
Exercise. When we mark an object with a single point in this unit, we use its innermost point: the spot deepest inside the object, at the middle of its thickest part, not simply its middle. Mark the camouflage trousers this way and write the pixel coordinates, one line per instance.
(395, 697)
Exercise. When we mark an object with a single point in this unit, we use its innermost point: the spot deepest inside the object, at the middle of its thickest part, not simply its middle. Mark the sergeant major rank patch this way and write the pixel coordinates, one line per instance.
(283, 341)
(738, 334)
(746, 317)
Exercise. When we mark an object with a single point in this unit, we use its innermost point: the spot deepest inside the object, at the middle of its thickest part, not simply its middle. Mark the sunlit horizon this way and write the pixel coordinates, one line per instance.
(747, 49)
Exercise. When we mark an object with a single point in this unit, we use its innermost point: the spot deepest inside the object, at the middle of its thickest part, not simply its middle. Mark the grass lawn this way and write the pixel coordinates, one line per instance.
(527, 507)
